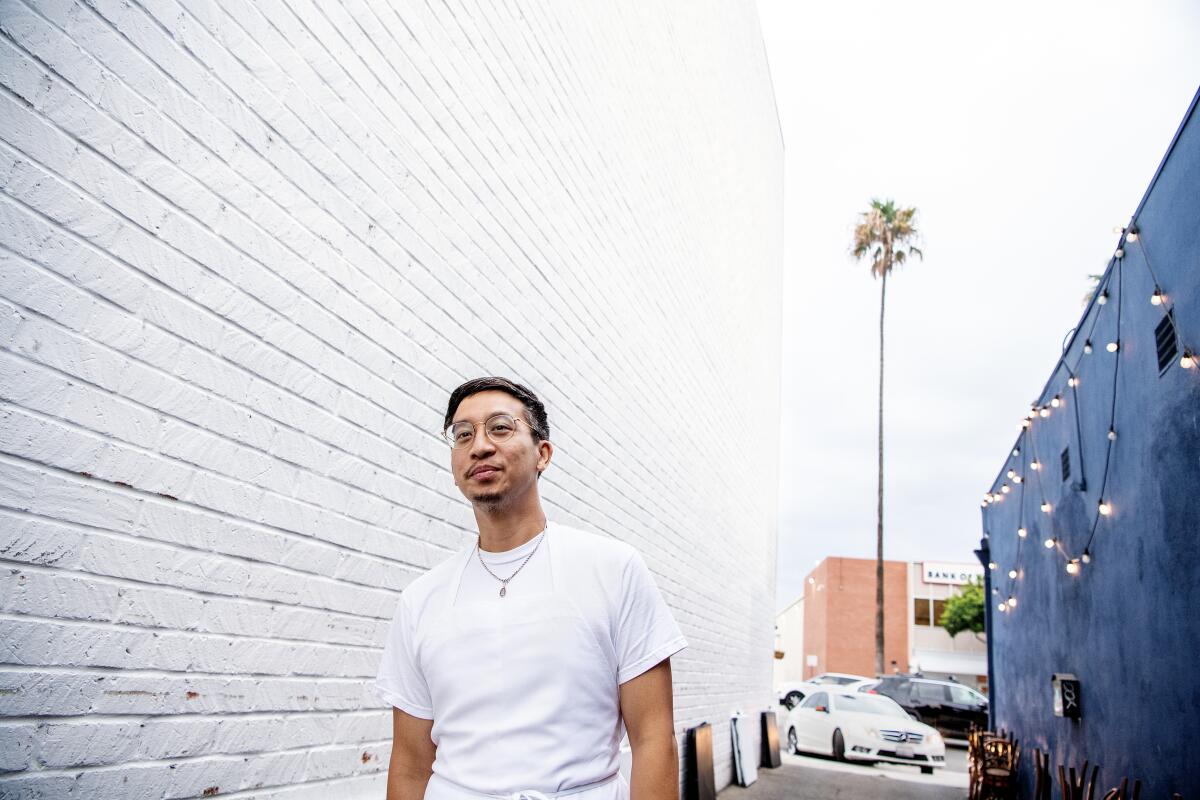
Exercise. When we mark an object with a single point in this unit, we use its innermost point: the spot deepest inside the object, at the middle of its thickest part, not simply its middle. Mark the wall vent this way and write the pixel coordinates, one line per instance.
(1164, 340)
(1066, 463)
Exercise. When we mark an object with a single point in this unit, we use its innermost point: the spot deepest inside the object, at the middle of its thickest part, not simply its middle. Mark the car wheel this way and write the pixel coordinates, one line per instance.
(793, 742)
(926, 770)
(839, 746)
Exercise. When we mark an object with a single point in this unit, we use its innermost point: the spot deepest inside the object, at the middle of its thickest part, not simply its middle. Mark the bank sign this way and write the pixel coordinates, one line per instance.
(955, 574)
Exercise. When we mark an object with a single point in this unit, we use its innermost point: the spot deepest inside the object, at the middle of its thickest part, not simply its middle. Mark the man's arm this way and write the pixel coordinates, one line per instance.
(412, 756)
(649, 713)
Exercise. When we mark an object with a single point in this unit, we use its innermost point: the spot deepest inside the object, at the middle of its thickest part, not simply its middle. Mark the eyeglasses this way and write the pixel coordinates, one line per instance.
(498, 427)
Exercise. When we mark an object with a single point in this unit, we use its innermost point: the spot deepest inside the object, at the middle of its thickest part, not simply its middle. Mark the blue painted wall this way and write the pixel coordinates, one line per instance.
(1128, 623)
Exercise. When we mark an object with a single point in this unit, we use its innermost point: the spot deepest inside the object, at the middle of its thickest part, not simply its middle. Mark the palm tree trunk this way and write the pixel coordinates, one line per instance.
(879, 513)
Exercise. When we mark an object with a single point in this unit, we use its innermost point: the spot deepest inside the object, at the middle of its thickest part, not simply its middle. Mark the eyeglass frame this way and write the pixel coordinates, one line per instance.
(450, 441)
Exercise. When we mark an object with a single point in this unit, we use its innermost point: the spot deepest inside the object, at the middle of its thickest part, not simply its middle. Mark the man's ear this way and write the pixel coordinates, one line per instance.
(545, 453)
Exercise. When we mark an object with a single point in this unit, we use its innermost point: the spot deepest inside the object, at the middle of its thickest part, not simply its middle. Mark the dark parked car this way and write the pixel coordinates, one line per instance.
(948, 706)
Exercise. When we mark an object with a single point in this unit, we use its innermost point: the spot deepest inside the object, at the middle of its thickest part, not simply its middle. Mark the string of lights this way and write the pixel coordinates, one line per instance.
(1026, 445)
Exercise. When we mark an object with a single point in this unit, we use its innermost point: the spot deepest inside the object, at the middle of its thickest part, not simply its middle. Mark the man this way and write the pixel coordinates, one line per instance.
(515, 666)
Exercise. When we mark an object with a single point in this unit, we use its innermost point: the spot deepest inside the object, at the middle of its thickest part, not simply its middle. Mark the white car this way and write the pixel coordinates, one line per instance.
(862, 727)
(791, 693)
(838, 679)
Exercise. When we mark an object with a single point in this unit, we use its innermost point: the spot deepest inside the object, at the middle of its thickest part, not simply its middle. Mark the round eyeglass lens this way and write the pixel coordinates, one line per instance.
(460, 434)
(500, 427)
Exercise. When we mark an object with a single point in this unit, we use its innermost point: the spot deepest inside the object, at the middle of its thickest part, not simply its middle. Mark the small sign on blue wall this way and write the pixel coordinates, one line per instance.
(1066, 695)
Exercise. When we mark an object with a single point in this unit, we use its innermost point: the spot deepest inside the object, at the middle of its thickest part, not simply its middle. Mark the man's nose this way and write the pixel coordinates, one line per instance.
(480, 443)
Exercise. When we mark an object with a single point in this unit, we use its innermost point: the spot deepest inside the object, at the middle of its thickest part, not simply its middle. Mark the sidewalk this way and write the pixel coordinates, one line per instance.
(795, 782)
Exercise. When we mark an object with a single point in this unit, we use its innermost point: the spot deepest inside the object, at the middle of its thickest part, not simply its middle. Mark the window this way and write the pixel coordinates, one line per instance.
(921, 611)
(964, 696)
(1164, 339)
(938, 607)
(1066, 463)
(930, 692)
(816, 699)
(878, 704)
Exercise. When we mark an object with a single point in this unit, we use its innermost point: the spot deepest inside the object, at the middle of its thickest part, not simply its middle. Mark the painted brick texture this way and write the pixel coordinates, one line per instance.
(839, 616)
(246, 250)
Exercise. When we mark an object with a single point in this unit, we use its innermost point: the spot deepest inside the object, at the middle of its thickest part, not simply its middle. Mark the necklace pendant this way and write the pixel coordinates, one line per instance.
(503, 591)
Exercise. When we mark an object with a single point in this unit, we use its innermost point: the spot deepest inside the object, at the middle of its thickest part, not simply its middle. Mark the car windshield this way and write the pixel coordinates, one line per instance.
(870, 704)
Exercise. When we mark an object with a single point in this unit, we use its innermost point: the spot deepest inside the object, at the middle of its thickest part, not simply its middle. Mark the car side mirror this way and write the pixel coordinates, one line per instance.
(822, 709)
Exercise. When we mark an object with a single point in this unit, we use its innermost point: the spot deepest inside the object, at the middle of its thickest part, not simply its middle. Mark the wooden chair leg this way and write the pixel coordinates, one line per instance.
(1091, 792)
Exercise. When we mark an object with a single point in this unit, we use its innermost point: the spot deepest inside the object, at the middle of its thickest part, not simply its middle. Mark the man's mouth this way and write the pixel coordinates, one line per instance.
(480, 473)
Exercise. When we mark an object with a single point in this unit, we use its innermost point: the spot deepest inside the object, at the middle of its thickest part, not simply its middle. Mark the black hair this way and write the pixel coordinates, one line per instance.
(533, 407)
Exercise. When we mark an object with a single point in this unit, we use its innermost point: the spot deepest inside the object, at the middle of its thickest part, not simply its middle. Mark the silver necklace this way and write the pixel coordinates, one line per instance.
(504, 581)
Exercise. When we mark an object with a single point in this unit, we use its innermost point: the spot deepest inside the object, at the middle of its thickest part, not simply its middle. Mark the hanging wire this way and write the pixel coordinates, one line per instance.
(1112, 412)
(1073, 385)
(1026, 443)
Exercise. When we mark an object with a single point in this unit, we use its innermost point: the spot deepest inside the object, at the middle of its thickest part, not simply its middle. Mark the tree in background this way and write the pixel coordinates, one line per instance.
(1094, 281)
(964, 611)
(885, 234)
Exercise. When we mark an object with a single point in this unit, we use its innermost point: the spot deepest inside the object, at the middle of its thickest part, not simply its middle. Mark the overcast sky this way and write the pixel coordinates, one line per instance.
(1023, 132)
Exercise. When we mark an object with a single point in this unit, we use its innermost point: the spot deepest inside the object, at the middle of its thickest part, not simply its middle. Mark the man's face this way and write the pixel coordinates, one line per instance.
(490, 473)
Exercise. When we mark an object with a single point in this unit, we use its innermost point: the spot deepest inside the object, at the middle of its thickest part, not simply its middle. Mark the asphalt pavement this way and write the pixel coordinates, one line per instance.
(814, 778)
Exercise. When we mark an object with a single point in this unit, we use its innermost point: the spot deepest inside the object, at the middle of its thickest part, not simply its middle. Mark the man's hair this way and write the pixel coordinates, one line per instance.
(533, 407)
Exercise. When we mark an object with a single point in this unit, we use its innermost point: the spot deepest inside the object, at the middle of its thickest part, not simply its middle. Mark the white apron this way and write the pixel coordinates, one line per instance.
(523, 688)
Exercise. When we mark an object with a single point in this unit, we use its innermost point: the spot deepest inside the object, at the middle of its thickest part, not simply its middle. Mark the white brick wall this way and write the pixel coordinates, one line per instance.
(246, 249)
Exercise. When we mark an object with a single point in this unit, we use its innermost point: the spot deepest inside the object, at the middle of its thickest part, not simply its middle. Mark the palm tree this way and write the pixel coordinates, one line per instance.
(885, 234)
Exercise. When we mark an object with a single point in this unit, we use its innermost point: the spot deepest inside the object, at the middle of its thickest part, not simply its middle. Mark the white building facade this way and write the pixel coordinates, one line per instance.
(249, 248)
(933, 651)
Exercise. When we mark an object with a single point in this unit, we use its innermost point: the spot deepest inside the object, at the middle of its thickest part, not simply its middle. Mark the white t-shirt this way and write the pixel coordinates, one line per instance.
(606, 580)
(534, 577)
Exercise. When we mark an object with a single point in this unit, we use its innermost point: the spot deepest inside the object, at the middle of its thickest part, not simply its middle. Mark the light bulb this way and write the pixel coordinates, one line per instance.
(1012, 602)
(1016, 451)
(1011, 473)
(1087, 557)
(1045, 412)
(1049, 543)
(1012, 573)
(1087, 346)
(1001, 606)
(1156, 299)
(1056, 402)
(1103, 298)
(1005, 488)
(1132, 236)
(983, 503)
(1035, 465)
(1026, 423)
(1119, 253)
(991, 565)
(1073, 566)
(1017, 479)
(1112, 435)
(995, 590)
(1188, 360)
(1046, 508)
(1112, 347)
(1072, 382)
(1118, 229)
(1022, 532)
(1105, 509)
